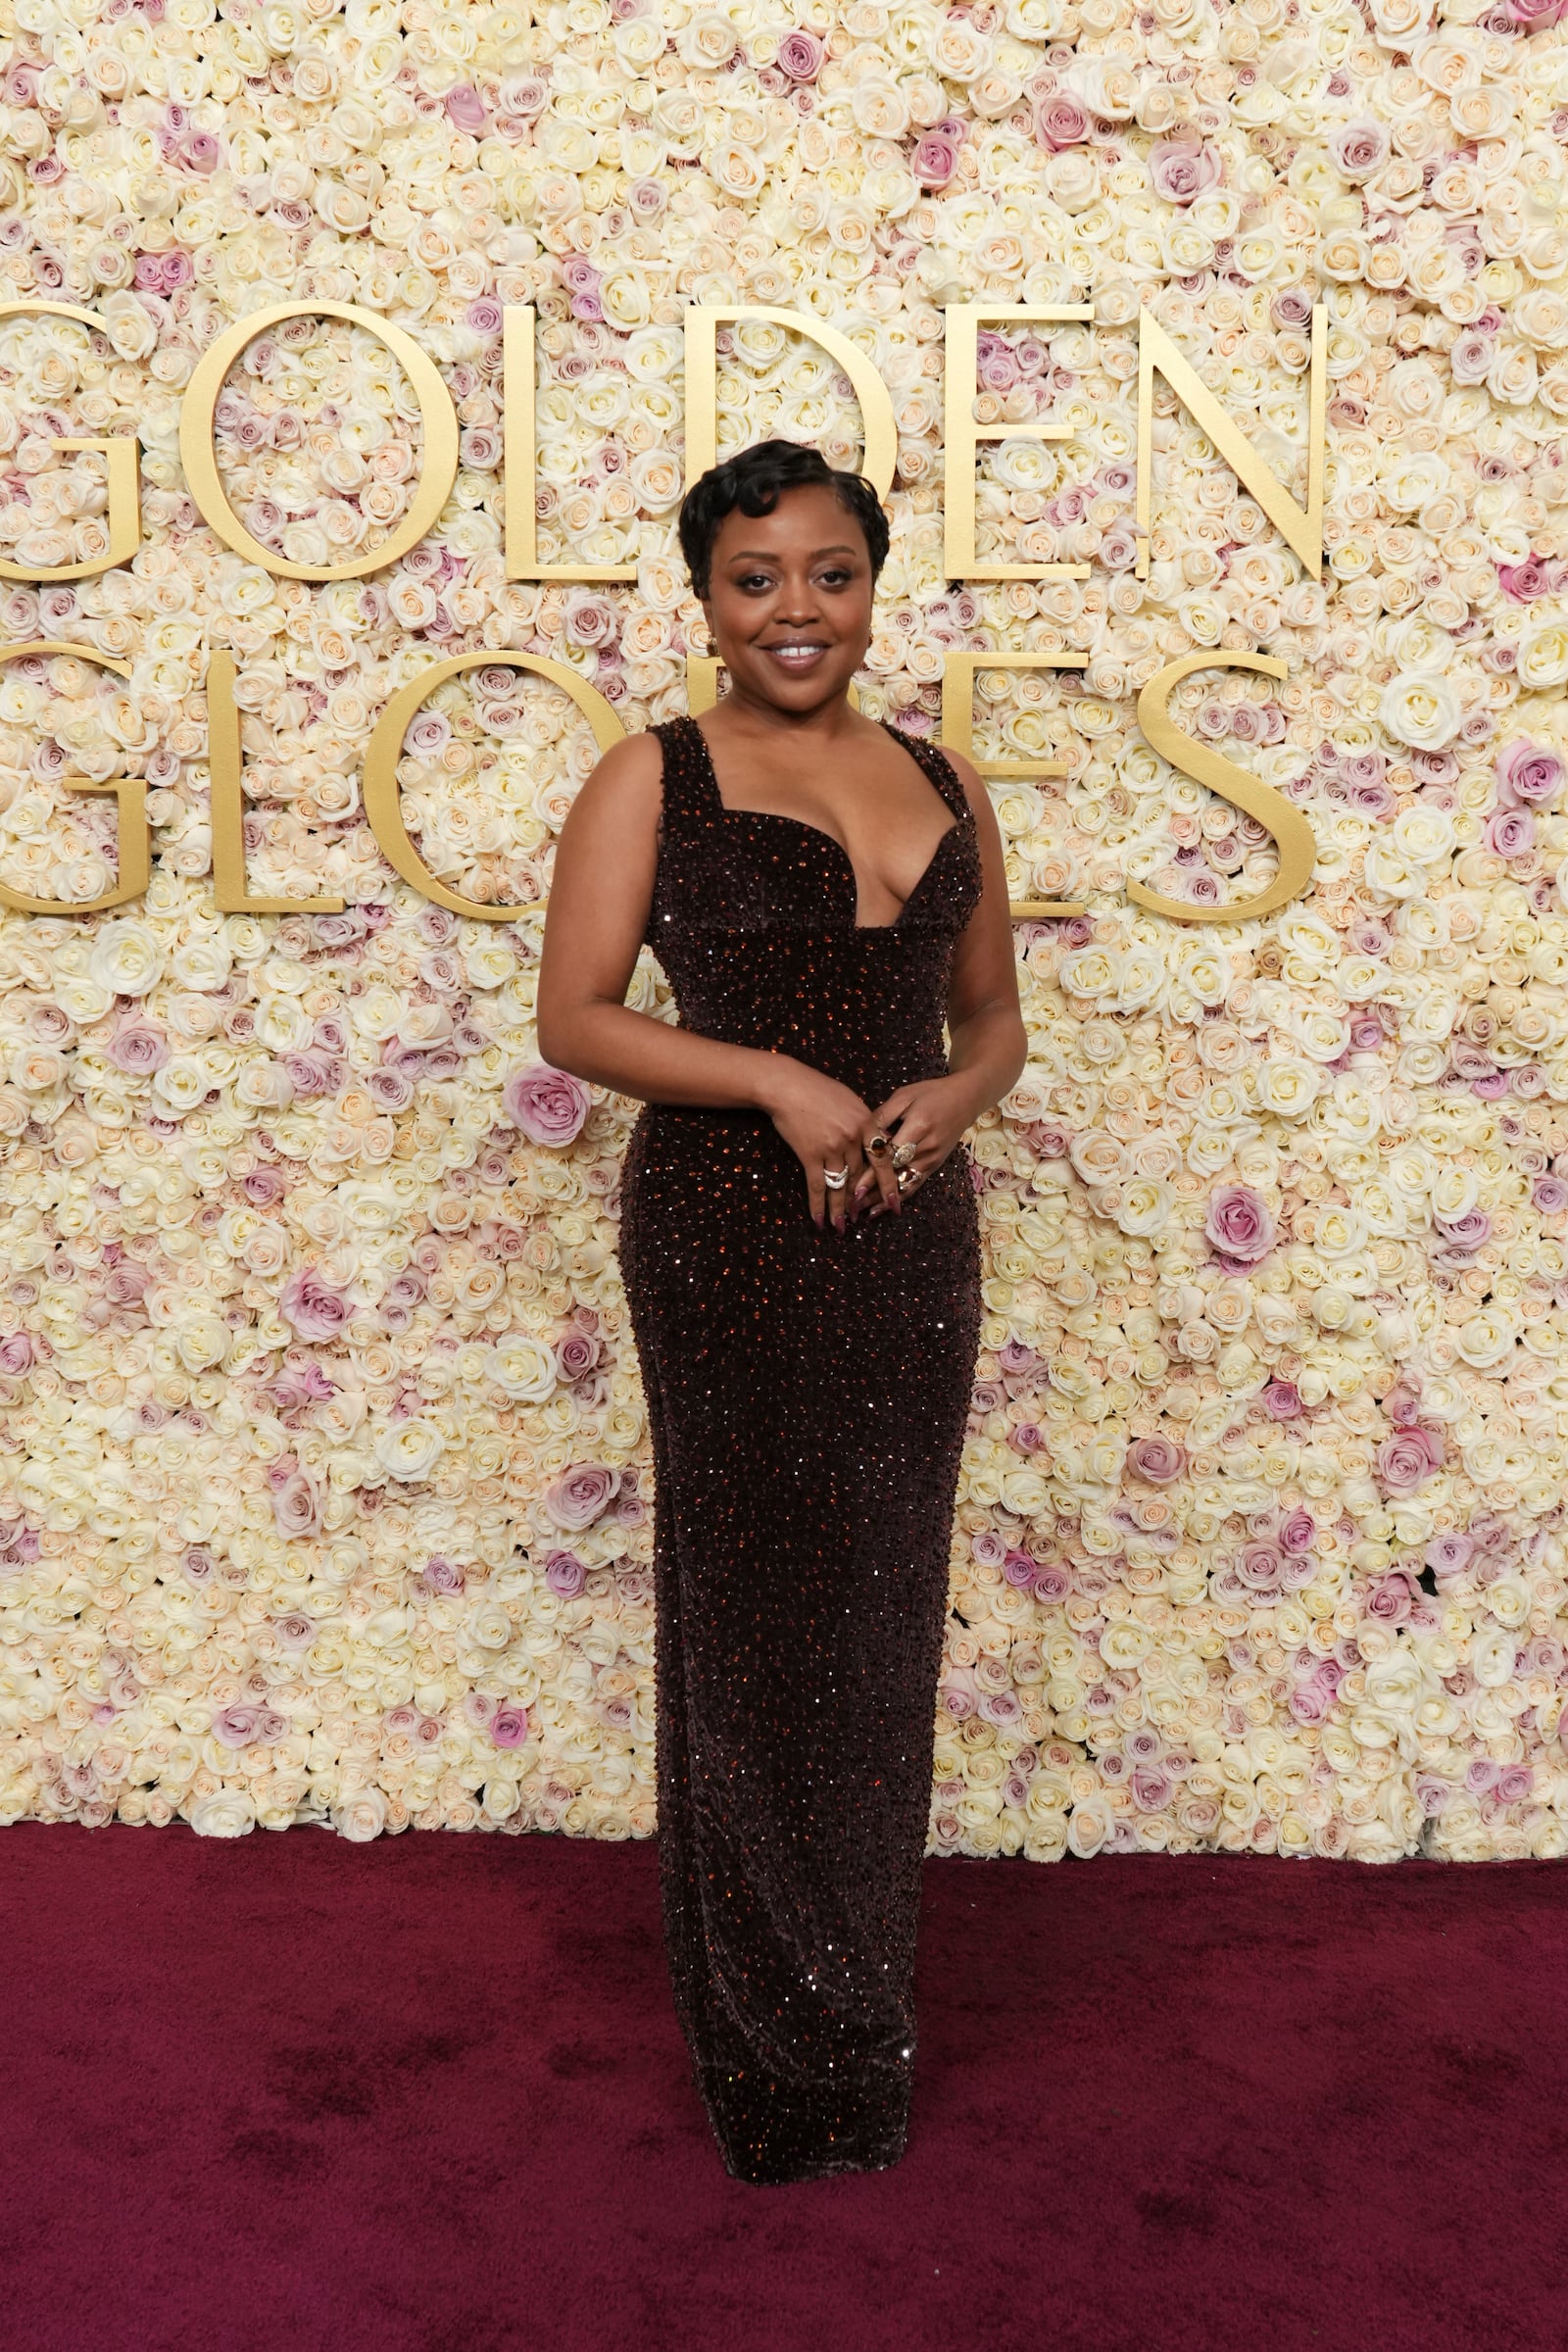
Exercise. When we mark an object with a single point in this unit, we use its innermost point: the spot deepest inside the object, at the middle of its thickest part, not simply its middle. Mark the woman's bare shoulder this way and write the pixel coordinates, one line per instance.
(628, 781)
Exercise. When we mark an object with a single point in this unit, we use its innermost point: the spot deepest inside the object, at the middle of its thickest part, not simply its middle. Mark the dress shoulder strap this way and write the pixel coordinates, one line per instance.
(690, 791)
(939, 768)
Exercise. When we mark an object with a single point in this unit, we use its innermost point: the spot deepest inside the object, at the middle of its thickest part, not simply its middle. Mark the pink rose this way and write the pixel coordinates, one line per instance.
(935, 158)
(1181, 173)
(1388, 1601)
(546, 1106)
(15, 1352)
(1240, 1223)
(138, 1046)
(1282, 1400)
(316, 1310)
(1408, 1458)
(1156, 1459)
(297, 1506)
(1059, 121)
(508, 1727)
(1527, 774)
(1360, 148)
(577, 1499)
(466, 108)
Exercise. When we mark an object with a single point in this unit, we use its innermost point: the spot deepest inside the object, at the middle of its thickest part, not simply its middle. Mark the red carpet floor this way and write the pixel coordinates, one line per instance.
(427, 2095)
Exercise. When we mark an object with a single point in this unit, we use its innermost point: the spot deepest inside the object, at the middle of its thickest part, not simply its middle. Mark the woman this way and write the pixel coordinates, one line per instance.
(800, 1249)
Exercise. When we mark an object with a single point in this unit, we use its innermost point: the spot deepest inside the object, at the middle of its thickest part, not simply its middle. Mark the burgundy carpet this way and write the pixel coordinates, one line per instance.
(427, 2095)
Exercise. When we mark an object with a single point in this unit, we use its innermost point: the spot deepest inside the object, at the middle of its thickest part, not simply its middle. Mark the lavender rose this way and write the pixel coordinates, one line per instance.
(138, 1046)
(566, 1574)
(316, 1310)
(1282, 1400)
(546, 1106)
(1549, 1195)
(1296, 1532)
(1240, 1223)
(1449, 1554)
(508, 1727)
(1156, 1459)
(1509, 832)
(1527, 774)
(577, 1499)
(799, 56)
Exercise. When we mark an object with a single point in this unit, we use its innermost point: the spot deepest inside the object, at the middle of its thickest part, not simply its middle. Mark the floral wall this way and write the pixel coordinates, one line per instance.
(323, 1479)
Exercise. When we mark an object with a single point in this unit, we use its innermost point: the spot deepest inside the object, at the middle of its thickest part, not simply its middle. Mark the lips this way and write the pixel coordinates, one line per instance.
(794, 657)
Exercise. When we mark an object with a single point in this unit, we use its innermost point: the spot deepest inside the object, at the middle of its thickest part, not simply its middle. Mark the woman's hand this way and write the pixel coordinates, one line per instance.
(925, 1122)
(827, 1127)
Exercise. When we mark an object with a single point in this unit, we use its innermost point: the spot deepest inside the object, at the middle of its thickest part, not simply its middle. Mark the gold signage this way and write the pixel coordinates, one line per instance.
(121, 459)
(133, 836)
(1301, 526)
(436, 414)
(962, 436)
(383, 804)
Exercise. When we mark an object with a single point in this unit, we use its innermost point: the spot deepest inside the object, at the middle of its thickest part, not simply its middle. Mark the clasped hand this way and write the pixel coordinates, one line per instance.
(833, 1134)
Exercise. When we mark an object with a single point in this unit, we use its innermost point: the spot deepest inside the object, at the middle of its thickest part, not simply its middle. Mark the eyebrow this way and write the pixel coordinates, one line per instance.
(768, 555)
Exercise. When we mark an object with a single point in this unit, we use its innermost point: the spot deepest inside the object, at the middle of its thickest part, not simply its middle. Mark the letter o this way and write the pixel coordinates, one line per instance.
(382, 800)
(196, 425)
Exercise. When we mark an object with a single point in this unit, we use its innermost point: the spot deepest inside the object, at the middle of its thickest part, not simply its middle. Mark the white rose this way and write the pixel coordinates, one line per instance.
(226, 1813)
(126, 957)
(1543, 660)
(409, 1449)
(361, 1817)
(1420, 707)
(523, 1368)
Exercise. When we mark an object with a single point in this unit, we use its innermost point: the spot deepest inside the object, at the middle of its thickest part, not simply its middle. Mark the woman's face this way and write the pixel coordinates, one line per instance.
(789, 602)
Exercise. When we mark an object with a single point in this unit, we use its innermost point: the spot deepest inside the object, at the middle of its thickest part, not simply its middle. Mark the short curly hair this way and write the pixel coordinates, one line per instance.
(753, 481)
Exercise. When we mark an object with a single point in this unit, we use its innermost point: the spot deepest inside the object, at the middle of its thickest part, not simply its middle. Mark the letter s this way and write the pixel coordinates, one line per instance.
(1297, 846)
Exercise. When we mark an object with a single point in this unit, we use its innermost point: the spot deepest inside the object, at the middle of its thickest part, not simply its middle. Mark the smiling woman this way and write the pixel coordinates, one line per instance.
(800, 1247)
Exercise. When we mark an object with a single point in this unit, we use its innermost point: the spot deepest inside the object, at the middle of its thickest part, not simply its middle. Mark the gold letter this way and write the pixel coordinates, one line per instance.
(1301, 526)
(958, 735)
(382, 805)
(702, 386)
(134, 840)
(227, 804)
(518, 430)
(120, 457)
(196, 454)
(1297, 846)
(962, 437)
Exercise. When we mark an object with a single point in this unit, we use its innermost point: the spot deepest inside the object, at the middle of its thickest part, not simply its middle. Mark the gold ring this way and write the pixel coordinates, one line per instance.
(908, 1176)
(835, 1179)
(877, 1144)
(904, 1156)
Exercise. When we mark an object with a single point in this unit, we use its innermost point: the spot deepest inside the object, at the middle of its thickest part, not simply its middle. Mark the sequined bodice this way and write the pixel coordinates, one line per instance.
(753, 920)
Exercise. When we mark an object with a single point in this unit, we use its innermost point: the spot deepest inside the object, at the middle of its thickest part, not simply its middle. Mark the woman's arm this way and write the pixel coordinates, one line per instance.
(600, 895)
(989, 1044)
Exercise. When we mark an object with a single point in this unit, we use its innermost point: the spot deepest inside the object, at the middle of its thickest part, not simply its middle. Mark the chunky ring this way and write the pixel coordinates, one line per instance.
(877, 1144)
(904, 1156)
(908, 1176)
(835, 1179)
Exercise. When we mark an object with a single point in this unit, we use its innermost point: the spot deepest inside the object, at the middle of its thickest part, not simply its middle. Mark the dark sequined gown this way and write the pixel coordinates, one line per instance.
(807, 1394)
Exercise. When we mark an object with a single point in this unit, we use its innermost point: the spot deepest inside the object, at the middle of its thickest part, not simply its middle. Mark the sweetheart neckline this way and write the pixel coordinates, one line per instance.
(773, 816)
